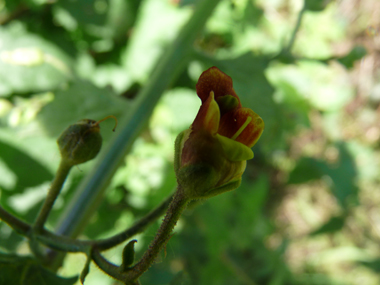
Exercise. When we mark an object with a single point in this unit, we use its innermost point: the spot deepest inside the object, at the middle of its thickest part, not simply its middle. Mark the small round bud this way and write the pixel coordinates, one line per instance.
(81, 141)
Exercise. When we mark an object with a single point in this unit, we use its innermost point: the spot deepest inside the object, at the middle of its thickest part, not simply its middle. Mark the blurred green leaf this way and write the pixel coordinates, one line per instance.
(373, 264)
(294, 105)
(104, 220)
(9, 239)
(12, 4)
(27, 171)
(307, 169)
(316, 5)
(15, 270)
(81, 100)
(182, 278)
(252, 13)
(342, 173)
(86, 12)
(28, 63)
(355, 54)
(331, 226)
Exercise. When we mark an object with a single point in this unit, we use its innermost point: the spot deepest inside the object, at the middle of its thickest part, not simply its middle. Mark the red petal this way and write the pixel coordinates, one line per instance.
(232, 121)
(215, 80)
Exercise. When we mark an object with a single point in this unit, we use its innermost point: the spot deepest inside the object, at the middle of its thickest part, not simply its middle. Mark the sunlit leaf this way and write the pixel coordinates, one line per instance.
(28, 63)
(81, 100)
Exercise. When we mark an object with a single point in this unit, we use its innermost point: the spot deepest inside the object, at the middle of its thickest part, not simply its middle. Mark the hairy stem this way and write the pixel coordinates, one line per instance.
(55, 188)
(176, 207)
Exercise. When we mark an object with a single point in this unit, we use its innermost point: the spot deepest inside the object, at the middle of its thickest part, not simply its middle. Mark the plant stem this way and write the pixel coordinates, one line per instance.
(63, 243)
(106, 266)
(55, 188)
(136, 228)
(15, 223)
(68, 244)
(176, 207)
(296, 28)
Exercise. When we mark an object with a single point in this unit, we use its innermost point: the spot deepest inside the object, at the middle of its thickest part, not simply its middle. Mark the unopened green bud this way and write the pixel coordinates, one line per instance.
(128, 255)
(81, 141)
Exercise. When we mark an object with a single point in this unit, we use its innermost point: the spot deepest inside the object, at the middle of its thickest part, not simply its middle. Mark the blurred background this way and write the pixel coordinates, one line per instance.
(307, 210)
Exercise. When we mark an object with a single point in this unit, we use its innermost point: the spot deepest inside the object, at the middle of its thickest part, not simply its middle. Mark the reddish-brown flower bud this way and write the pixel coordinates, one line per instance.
(211, 155)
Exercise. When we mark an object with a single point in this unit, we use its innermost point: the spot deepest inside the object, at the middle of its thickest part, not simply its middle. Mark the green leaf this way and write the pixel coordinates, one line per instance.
(27, 171)
(81, 100)
(355, 54)
(9, 238)
(316, 5)
(106, 218)
(307, 169)
(252, 13)
(342, 173)
(373, 264)
(331, 226)
(16, 270)
(28, 63)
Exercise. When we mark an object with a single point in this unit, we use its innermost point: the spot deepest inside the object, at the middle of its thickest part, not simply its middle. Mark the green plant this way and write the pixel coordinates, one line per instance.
(59, 65)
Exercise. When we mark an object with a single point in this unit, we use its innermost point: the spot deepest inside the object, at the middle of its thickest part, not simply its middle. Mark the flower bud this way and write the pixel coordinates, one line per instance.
(128, 255)
(81, 141)
(210, 157)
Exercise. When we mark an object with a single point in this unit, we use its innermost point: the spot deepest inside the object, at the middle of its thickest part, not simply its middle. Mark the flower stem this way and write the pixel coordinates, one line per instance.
(55, 188)
(296, 28)
(176, 207)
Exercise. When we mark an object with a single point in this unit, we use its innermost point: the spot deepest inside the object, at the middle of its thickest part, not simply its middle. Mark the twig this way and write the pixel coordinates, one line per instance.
(15, 223)
(67, 244)
(296, 28)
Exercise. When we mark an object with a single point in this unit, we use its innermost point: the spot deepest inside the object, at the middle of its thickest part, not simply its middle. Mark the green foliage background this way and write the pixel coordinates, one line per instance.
(307, 211)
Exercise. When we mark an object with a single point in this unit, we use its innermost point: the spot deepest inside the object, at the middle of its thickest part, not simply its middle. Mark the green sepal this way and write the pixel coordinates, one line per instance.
(233, 150)
(197, 179)
(80, 142)
(178, 146)
(222, 189)
(128, 255)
